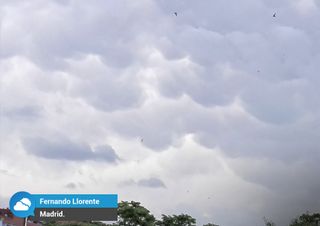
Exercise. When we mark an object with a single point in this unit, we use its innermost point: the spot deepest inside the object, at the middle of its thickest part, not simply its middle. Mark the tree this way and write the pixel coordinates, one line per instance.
(268, 222)
(133, 214)
(210, 224)
(176, 220)
(307, 220)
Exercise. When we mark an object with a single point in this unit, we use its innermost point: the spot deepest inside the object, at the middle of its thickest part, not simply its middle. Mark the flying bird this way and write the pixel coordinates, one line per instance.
(175, 13)
(275, 14)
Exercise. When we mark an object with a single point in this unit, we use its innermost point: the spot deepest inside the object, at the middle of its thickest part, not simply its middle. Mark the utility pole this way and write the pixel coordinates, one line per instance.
(25, 221)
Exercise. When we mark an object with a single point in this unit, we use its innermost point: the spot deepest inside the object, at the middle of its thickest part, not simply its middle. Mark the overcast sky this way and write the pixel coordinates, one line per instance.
(214, 112)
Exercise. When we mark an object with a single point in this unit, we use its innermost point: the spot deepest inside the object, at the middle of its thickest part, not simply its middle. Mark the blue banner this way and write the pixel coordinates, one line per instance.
(75, 200)
(64, 206)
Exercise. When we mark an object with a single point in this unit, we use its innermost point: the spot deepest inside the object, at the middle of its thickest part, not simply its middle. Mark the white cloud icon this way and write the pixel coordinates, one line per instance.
(22, 205)
(26, 201)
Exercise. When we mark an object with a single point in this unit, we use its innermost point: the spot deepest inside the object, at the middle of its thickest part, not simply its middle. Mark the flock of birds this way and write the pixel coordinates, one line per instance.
(176, 14)
(274, 15)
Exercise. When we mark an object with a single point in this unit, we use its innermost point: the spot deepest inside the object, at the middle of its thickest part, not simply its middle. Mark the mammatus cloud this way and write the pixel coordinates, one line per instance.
(3, 171)
(64, 149)
(151, 182)
(22, 113)
(223, 95)
(73, 186)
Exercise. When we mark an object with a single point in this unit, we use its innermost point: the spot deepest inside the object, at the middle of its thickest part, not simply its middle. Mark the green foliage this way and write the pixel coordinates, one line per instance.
(307, 220)
(176, 220)
(74, 223)
(133, 214)
(51, 223)
(268, 222)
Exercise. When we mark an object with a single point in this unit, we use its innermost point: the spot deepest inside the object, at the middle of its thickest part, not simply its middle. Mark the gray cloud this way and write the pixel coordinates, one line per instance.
(71, 186)
(7, 173)
(64, 149)
(106, 88)
(151, 182)
(61, 42)
(3, 171)
(294, 184)
(22, 113)
(127, 183)
(106, 152)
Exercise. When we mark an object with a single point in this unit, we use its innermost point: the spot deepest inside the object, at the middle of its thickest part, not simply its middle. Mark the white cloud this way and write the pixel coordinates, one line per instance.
(26, 201)
(22, 205)
(306, 7)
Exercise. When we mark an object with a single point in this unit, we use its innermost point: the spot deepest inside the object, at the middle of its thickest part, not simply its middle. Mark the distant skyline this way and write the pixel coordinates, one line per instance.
(209, 108)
